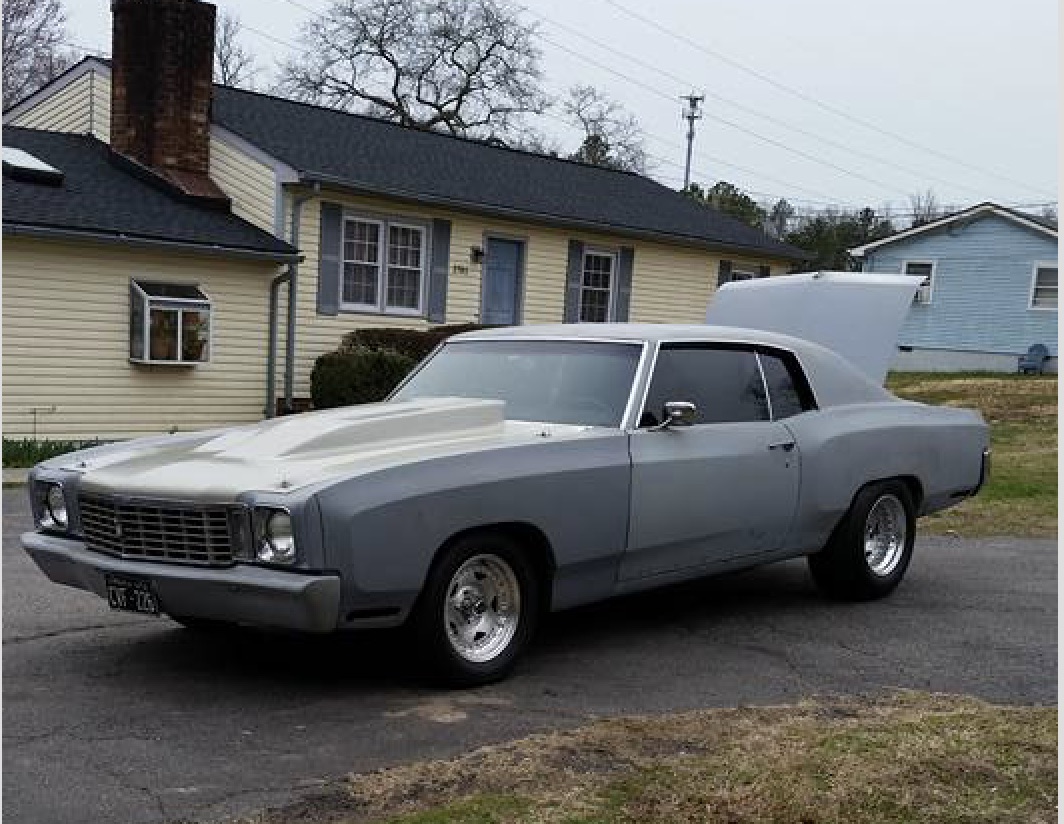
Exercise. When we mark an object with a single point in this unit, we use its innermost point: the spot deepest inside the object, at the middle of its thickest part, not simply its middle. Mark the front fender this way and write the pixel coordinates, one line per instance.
(381, 531)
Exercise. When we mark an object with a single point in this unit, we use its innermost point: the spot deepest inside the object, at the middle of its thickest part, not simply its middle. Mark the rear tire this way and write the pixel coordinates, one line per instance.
(478, 610)
(869, 552)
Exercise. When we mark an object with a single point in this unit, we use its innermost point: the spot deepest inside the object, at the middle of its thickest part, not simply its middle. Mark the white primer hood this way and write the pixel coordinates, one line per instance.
(855, 314)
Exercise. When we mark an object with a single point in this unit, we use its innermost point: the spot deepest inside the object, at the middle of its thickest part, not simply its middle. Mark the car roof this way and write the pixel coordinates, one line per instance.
(834, 380)
(639, 332)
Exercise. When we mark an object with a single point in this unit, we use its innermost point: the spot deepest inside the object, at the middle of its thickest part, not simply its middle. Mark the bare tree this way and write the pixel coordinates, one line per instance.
(925, 207)
(612, 135)
(779, 217)
(234, 65)
(468, 67)
(33, 49)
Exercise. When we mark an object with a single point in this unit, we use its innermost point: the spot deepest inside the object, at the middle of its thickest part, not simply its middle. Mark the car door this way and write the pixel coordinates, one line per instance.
(722, 488)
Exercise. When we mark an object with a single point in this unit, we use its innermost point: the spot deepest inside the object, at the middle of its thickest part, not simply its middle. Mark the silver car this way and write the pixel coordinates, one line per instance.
(515, 471)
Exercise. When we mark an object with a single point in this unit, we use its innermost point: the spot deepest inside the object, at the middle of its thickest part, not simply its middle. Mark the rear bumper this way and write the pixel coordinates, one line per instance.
(243, 593)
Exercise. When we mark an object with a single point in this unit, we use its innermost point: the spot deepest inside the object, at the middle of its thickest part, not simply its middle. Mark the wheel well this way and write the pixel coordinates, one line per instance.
(529, 537)
(911, 482)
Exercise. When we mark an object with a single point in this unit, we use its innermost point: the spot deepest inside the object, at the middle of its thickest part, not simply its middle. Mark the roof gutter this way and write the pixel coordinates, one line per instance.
(88, 236)
(291, 276)
(551, 220)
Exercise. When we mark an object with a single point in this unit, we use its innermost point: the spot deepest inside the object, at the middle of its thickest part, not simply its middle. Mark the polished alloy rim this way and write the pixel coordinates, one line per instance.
(885, 533)
(483, 608)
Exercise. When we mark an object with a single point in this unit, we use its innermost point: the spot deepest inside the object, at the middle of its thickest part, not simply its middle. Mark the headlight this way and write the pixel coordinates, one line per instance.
(276, 542)
(50, 507)
(56, 504)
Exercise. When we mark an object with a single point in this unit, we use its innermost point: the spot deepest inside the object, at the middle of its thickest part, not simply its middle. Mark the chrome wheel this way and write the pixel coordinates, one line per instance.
(885, 535)
(482, 608)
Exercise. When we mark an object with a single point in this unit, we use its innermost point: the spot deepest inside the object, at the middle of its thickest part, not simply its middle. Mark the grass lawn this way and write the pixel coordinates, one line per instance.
(1021, 497)
(912, 757)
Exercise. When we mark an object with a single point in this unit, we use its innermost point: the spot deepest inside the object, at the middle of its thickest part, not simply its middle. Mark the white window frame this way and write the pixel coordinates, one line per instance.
(382, 252)
(742, 274)
(422, 279)
(611, 307)
(384, 225)
(147, 301)
(930, 279)
(1042, 264)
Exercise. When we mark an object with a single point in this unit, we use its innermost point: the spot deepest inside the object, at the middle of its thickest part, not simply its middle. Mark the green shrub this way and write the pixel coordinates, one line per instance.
(357, 376)
(23, 452)
(414, 343)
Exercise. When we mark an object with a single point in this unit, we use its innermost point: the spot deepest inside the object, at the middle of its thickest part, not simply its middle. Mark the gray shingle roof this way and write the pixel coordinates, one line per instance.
(98, 197)
(376, 156)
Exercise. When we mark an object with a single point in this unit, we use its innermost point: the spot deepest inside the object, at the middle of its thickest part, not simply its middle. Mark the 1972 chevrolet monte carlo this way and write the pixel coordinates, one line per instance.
(515, 471)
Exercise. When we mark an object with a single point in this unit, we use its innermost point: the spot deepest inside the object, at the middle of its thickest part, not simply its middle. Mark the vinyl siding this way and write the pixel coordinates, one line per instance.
(670, 284)
(981, 288)
(71, 109)
(66, 343)
(249, 183)
(100, 114)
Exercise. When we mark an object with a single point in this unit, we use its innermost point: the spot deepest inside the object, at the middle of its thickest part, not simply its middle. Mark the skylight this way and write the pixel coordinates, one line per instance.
(21, 165)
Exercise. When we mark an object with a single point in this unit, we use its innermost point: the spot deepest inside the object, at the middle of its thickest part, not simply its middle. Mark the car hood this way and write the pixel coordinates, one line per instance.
(283, 454)
(855, 314)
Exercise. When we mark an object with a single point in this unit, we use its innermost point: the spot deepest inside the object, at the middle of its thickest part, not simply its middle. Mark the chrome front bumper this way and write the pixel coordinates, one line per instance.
(242, 594)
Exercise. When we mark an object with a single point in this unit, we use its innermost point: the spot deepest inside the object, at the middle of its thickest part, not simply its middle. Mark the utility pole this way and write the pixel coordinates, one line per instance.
(691, 114)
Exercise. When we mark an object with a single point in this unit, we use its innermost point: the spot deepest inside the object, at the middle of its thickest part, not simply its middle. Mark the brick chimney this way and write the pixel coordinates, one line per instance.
(162, 57)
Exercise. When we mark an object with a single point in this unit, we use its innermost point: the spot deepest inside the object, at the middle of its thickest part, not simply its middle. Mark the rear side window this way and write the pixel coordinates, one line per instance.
(725, 384)
(787, 387)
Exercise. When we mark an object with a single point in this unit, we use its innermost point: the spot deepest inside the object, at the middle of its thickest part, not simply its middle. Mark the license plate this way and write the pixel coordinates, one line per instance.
(131, 595)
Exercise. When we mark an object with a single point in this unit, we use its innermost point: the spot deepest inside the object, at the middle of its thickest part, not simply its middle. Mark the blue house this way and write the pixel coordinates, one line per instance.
(989, 289)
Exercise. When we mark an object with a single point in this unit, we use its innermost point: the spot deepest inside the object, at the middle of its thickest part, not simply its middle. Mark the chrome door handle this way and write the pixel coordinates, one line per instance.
(786, 446)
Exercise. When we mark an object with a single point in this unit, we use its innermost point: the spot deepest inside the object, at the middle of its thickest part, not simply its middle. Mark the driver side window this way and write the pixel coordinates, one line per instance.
(724, 383)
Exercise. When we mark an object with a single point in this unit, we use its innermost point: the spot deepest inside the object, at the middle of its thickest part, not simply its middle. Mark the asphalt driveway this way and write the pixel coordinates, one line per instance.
(113, 718)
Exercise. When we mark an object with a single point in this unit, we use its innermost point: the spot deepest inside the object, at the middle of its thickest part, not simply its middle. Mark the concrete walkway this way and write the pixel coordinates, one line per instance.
(15, 476)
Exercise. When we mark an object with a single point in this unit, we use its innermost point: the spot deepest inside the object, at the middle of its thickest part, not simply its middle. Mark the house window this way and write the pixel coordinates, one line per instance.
(741, 274)
(925, 270)
(597, 286)
(1044, 288)
(383, 280)
(168, 323)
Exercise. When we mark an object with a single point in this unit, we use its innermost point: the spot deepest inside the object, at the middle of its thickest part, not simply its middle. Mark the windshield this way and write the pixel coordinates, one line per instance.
(577, 382)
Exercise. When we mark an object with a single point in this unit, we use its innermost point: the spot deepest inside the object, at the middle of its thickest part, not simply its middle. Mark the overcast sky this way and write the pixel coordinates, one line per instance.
(819, 101)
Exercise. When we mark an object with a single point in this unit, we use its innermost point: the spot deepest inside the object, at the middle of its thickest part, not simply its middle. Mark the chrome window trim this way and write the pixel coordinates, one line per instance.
(764, 383)
(727, 342)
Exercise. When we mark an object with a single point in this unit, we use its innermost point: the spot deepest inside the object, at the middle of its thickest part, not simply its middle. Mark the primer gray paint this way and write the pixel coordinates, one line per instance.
(377, 490)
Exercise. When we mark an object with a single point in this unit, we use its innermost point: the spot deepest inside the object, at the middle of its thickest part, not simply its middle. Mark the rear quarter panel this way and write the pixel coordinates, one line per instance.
(382, 530)
(846, 447)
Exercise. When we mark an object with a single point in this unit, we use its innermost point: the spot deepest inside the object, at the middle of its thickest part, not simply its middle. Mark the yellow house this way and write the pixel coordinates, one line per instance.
(395, 227)
(126, 309)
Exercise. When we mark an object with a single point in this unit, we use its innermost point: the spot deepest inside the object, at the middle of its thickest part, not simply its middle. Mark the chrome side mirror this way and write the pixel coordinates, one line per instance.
(677, 413)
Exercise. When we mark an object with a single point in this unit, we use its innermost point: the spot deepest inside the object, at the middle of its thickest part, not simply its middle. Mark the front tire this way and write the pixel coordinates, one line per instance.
(478, 610)
(869, 552)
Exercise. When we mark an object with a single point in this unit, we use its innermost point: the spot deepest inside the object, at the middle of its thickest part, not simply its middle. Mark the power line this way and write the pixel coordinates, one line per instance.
(640, 84)
(732, 124)
(584, 37)
(813, 100)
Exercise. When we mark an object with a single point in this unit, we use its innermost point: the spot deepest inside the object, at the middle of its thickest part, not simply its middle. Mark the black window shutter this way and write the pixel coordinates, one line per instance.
(441, 264)
(622, 303)
(574, 276)
(764, 271)
(330, 258)
(724, 272)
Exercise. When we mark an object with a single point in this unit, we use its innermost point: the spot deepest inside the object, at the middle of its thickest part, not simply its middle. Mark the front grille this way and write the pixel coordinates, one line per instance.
(157, 531)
